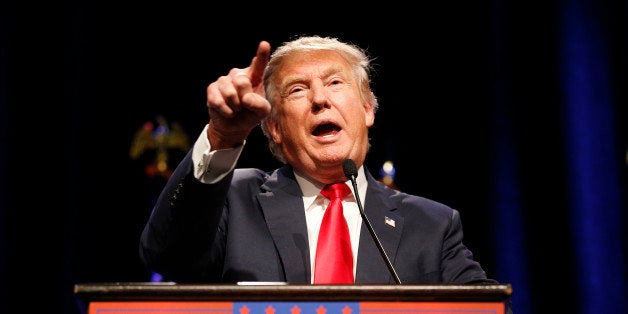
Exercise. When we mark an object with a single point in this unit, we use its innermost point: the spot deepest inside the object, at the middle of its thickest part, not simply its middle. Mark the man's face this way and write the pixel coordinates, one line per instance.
(321, 120)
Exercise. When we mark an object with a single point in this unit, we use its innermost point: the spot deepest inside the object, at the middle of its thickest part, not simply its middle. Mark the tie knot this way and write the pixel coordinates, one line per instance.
(336, 190)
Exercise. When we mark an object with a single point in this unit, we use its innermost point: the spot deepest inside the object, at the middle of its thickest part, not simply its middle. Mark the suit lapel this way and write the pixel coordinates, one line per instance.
(282, 205)
(371, 267)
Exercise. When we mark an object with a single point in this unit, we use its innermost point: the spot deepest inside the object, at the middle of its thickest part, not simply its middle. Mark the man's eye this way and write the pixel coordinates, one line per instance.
(336, 82)
(296, 90)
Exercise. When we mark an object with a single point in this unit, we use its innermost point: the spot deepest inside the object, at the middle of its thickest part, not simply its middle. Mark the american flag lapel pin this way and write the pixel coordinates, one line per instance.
(389, 221)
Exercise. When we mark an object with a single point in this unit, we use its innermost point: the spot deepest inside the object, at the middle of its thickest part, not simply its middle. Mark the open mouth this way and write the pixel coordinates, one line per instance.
(326, 129)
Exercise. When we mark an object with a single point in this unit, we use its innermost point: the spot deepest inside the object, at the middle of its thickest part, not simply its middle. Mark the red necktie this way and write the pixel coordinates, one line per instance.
(334, 260)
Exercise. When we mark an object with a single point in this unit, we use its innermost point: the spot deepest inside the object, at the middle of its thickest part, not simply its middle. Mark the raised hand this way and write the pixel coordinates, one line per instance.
(236, 102)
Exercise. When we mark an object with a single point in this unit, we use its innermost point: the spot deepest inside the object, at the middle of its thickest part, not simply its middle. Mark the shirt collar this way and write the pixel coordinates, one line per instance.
(311, 189)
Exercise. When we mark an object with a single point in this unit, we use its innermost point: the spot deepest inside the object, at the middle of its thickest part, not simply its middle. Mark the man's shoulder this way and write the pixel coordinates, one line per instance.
(247, 174)
(259, 176)
(413, 201)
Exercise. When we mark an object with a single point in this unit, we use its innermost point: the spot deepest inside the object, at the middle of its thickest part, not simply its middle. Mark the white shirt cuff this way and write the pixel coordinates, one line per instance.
(212, 166)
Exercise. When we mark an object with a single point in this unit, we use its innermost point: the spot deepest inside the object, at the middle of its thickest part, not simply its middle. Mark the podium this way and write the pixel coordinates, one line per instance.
(276, 298)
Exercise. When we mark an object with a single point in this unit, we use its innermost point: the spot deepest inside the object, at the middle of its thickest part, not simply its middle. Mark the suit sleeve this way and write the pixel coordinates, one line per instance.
(458, 264)
(182, 238)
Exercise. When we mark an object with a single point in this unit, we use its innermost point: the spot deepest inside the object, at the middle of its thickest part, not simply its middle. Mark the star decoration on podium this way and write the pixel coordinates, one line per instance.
(294, 310)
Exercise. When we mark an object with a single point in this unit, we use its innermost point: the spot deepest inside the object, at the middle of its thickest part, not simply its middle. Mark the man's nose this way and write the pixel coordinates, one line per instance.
(319, 96)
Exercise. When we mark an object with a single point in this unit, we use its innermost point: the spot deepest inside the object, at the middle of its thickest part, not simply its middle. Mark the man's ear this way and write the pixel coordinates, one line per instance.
(273, 130)
(369, 115)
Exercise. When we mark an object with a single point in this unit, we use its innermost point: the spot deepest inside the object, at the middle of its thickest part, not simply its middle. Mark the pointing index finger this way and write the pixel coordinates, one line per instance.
(258, 64)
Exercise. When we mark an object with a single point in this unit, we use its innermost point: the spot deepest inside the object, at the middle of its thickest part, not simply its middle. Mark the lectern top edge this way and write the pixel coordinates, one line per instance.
(289, 292)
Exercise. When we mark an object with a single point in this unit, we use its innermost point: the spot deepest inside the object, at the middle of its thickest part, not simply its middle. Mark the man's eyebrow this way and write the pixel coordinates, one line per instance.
(289, 80)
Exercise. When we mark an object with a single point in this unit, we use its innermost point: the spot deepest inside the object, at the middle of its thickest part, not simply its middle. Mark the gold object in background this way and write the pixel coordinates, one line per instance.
(158, 138)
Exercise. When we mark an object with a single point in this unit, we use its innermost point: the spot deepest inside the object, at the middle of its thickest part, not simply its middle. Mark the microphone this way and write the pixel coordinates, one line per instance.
(351, 172)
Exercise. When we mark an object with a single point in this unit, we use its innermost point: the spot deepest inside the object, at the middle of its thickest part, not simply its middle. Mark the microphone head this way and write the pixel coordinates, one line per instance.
(349, 168)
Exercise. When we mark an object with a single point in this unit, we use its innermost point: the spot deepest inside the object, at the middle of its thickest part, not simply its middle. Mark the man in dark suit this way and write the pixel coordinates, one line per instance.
(313, 100)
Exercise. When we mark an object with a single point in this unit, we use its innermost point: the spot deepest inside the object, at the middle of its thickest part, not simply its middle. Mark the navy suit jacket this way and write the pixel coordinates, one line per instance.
(251, 226)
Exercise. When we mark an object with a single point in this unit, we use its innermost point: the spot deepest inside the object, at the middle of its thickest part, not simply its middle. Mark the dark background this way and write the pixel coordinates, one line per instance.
(456, 81)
